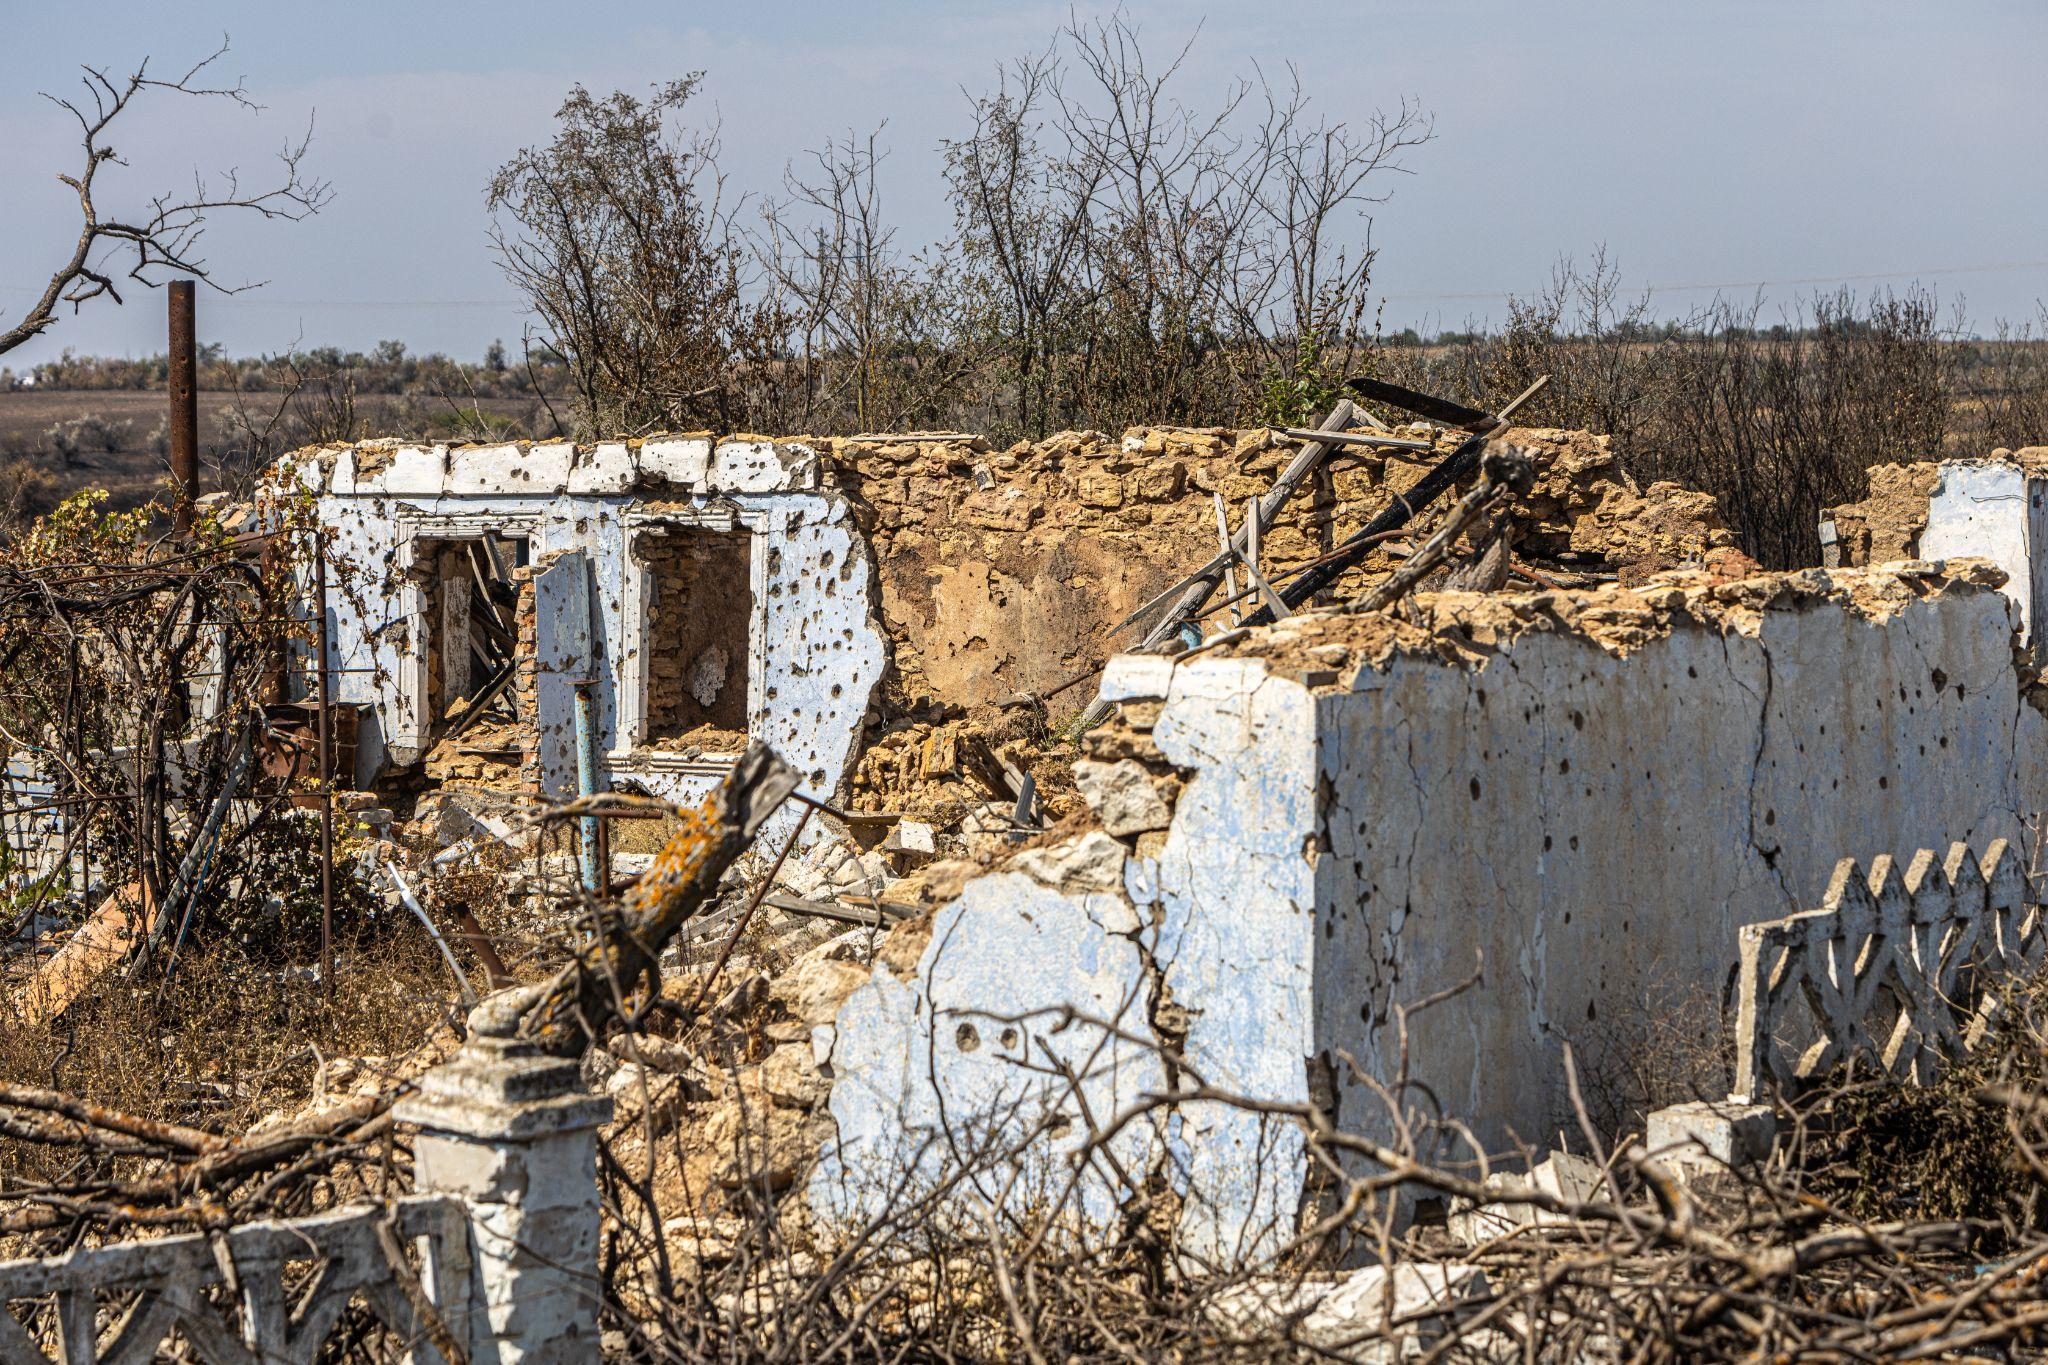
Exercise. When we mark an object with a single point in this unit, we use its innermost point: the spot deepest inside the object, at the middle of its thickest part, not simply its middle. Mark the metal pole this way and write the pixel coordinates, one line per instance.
(323, 700)
(184, 385)
(595, 875)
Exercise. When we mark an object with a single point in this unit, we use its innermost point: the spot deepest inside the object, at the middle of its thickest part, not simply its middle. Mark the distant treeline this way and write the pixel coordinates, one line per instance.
(387, 368)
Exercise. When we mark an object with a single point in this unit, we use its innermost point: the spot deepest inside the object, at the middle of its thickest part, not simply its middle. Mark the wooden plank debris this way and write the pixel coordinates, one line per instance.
(105, 939)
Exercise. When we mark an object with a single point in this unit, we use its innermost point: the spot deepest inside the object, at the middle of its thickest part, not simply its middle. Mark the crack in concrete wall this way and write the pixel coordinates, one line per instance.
(1585, 815)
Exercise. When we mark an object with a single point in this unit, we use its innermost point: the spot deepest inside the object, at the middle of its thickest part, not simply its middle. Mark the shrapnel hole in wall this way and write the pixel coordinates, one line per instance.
(470, 590)
(700, 612)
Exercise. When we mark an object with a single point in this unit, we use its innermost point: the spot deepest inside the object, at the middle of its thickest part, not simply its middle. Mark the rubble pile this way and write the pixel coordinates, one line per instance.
(1002, 571)
(1471, 628)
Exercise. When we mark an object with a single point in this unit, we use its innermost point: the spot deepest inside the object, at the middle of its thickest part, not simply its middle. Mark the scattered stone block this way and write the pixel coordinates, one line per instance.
(1093, 862)
(911, 843)
(1561, 1174)
(1123, 795)
(1706, 1135)
(814, 987)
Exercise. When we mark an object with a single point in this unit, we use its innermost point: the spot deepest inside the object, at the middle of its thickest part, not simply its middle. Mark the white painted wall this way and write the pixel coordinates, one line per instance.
(932, 1076)
(1586, 831)
(1996, 510)
(1589, 832)
(817, 647)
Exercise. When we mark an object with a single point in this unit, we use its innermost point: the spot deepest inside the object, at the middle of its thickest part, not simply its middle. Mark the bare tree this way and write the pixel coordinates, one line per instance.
(164, 238)
(876, 330)
(1147, 257)
(1023, 222)
(618, 235)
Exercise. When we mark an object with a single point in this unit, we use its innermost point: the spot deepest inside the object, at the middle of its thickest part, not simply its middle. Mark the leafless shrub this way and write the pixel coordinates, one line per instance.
(75, 436)
(27, 487)
(618, 235)
(1999, 389)
(1777, 419)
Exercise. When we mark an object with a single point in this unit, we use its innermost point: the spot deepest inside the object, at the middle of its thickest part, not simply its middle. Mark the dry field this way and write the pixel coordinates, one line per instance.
(133, 473)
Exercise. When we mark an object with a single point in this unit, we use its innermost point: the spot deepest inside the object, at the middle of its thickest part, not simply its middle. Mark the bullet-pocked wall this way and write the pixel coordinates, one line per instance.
(1549, 814)
(778, 603)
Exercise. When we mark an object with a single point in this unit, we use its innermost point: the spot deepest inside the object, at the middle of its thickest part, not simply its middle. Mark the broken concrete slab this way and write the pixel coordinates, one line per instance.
(1376, 1314)
(1562, 1175)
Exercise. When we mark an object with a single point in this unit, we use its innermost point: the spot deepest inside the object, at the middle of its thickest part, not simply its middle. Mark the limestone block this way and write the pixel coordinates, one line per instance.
(643, 1093)
(1093, 862)
(759, 1144)
(941, 754)
(1099, 488)
(1561, 1174)
(912, 839)
(605, 468)
(1160, 480)
(1349, 1318)
(814, 987)
(1703, 1134)
(1123, 795)
(790, 1076)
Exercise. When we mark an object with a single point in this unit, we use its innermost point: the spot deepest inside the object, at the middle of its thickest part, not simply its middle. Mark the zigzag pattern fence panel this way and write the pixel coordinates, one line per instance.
(1900, 969)
(261, 1294)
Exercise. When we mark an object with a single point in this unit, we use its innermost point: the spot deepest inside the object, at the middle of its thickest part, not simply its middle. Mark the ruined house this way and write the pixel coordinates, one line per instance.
(1555, 803)
(838, 598)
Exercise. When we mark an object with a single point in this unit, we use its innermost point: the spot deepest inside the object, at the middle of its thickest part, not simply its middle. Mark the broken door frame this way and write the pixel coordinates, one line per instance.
(630, 752)
(408, 742)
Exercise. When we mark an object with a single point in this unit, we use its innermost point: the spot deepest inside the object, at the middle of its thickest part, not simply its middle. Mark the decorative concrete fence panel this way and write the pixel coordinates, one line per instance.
(1900, 969)
(495, 1262)
(258, 1294)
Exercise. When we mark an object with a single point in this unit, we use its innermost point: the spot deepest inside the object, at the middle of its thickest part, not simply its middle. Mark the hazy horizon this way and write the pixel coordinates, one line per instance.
(1730, 147)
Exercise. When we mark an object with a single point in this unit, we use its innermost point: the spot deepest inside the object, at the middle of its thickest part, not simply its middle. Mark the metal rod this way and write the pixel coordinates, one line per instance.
(595, 876)
(184, 417)
(1357, 438)
(411, 902)
(326, 739)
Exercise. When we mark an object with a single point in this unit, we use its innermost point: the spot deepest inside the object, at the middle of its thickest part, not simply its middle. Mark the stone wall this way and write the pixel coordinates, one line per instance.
(699, 607)
(1004, 570)
(956, 573)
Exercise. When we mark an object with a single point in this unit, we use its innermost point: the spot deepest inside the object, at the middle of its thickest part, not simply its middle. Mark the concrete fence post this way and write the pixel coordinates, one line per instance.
(511, 1132)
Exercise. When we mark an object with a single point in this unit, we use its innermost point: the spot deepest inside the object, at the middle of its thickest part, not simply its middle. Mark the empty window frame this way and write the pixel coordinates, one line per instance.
(699, 633)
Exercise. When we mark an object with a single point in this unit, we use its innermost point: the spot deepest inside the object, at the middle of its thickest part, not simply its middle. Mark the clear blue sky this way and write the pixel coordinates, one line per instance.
(1716, 142)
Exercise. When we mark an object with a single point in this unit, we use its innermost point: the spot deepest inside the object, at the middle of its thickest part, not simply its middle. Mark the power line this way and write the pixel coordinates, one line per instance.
(255, 301)
(1769, 284)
